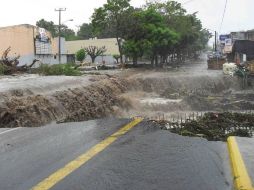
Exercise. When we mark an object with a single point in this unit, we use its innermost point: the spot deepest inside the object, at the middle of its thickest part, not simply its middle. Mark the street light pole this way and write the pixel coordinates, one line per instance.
(59, 32)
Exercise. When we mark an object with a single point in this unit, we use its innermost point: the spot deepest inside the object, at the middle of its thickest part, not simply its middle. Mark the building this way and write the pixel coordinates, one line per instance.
(227, 41)
(249, 35)
(237, 36)
(31, 42)
(242, 35)
(110, 43)
(243, 50)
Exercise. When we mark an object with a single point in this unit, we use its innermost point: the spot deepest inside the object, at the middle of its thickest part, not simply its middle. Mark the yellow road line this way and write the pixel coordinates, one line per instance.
(242, 180)
(60, 174)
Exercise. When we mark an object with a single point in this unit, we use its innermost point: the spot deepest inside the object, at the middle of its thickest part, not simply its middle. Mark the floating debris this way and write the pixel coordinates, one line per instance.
(213, 126)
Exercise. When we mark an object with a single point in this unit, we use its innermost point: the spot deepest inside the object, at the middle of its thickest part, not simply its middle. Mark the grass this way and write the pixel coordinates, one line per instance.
(58, 69)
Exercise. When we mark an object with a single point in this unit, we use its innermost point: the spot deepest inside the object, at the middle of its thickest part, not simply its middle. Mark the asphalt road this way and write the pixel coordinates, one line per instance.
(144, 158)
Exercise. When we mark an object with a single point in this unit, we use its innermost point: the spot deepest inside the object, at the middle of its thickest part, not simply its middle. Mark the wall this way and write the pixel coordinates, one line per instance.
(51, 59)
(110, 43)
(108, 59)
(19, 38)
(249, 35)
(55, 42)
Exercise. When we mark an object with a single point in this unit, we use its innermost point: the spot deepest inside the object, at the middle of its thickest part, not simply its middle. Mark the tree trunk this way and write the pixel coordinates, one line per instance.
(135, 61)
(156, 60)
(93, 59)
(120, 48)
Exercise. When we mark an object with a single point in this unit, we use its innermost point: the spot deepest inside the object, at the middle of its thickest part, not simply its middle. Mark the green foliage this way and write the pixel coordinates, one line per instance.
(2, 69)
(192, 37)
(111, 17)
(58, 69)
(85, 31)
(48, 25)
(110, 14)
(149, 35)
(81, 55)
(66, 32)
(162, 29)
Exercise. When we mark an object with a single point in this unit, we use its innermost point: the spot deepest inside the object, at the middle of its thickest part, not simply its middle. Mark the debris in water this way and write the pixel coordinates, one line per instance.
(214, 126)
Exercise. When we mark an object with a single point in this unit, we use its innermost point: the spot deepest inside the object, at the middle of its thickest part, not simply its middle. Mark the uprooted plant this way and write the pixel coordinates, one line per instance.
(9, 65)
(214, 126)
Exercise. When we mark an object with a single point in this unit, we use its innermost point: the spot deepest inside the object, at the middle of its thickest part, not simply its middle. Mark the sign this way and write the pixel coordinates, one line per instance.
(43, 35)
(224, 37)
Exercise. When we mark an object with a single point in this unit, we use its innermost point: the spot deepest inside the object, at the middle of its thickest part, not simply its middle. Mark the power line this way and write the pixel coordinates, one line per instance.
(223, 15)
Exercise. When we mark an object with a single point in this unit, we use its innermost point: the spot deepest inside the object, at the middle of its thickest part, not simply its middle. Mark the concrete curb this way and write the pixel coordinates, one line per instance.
(242, 180)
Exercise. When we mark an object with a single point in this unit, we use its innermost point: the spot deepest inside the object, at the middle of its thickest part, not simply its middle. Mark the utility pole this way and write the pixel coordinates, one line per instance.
(59, 32)
(215, 43)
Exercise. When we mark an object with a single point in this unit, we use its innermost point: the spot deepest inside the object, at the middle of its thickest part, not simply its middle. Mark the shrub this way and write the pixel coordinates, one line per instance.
(81, 55)
(58, 69)
(2, 69)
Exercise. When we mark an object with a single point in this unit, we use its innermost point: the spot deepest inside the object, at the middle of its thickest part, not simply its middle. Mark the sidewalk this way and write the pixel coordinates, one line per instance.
(246, 146)
(241, 155)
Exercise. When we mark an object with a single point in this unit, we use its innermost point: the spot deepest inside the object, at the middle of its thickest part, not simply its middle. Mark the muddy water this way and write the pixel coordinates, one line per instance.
(179, 93)
(83, 101)
(32, 101)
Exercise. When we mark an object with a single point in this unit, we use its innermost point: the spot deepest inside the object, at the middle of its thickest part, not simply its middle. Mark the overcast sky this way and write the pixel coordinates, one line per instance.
(239, 14)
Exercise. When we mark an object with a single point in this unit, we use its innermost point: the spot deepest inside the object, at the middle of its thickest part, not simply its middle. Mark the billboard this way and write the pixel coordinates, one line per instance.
(224, 37)
(43, 35)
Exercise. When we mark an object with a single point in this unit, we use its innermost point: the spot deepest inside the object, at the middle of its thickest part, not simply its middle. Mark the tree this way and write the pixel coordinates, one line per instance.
(67, 33)
(81, 55)
(111, 17)
(85, 31)
(134, 49)
(48, 25)
(187, 26)
(94, 51)
(159, 31)
(149, 35)
(116, 57)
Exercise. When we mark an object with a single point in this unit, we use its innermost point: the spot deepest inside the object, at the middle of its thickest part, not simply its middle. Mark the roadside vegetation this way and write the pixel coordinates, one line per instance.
(214, 126)
(2, 69)
(58, 69)
(81, 55)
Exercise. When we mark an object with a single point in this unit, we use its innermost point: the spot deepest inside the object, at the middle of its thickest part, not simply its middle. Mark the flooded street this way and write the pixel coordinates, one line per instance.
(33, 100)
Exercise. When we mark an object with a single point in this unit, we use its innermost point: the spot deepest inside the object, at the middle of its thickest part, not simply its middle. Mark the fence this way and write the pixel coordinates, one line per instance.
(201, 122)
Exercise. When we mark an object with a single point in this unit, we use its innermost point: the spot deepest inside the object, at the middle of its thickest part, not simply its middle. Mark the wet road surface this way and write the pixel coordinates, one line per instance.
(144, 158)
